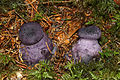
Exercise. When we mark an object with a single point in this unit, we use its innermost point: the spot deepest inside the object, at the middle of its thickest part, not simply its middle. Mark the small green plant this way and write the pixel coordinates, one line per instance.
(44, 70)
(5, 59)
(108, 53)
(7, 65)
(38, 16)
(73, 73)
(104, 75)
(90, 22)
(102, 7)
(116, 28)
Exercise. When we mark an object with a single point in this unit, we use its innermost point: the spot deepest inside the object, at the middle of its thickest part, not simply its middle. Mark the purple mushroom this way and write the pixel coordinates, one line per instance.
(34, 43)
(87, 47)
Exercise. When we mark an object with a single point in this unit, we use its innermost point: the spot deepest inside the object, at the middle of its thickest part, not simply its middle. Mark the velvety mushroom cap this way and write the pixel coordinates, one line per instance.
(91, 32)
(30, 33)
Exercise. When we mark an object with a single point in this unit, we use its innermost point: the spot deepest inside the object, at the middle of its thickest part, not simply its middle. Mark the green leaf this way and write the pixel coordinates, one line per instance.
(46, 75)
(116, 53)
(118, 75)
(93, 76)
(89, 22)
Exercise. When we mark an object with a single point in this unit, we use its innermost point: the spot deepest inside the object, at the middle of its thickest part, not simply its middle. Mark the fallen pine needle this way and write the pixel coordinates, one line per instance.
(48, 47)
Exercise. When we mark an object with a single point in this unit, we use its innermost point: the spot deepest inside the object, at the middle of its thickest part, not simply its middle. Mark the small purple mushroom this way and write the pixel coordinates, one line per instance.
(87, 47)
(34, 43)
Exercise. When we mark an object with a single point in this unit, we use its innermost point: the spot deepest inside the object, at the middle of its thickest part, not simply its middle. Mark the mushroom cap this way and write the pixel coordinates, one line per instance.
(30, 33)
(91, 32)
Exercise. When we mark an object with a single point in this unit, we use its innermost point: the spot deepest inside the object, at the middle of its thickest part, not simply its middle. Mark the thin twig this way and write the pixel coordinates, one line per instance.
(48, 47)
(33, 6)
(106, 44)
(20, 16)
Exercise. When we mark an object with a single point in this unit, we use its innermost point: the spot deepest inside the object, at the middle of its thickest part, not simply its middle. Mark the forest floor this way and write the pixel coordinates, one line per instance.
(61, 21)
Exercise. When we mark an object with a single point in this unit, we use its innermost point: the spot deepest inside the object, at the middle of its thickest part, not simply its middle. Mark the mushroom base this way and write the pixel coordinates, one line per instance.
(85, 50)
